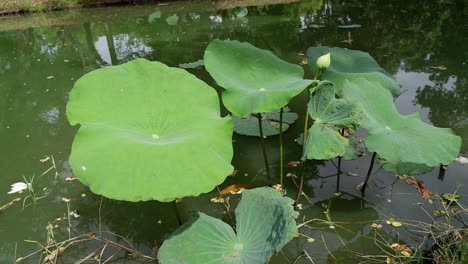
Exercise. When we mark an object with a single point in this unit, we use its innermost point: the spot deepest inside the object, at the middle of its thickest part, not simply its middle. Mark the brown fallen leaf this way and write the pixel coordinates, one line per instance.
(419, 185)
(439, 68)
(400, 248)
(293, 163)
(236, 188)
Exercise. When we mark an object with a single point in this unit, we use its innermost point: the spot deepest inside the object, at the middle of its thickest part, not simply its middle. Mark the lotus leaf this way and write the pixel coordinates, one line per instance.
(270, 123)
(347, 65)
(329, 113)
(192, 65)
(154, 16)
(405, 168)
(265, 223)
(148, 131)
(397, 138)
(256, 81)
(172, 20)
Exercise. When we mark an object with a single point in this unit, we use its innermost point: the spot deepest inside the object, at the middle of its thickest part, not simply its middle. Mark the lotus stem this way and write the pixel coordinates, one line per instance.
(304, 160)
(281, 146)
(363, 189)
(262, 142)
(176, 208)
(338, 174)
(441, 175)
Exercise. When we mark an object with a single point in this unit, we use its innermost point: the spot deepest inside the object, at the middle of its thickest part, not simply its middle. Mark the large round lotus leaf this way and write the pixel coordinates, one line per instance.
(265, 223)
(148, 132)
(347, 65)
(270, 123)
(397, 138)
(256, 81)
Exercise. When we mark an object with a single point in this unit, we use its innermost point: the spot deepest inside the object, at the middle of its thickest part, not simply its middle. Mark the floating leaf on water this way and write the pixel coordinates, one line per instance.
(144, 143)
(461, 160)
(172, 20)
(154, 16)
(405, 168)
(293, 163)
(256, 81)
(439, 68)
(450, 197)
(350, 26)
(419, 185)
(236, 188)
(217, 200)
(265, 223)
(47, 158)
(240, 11)
(270, 123)
(192, 65)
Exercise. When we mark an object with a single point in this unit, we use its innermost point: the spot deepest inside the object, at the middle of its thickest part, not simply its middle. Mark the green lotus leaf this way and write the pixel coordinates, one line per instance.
(265, 223)
(270, 123)
(256, 81)
(240, 11)
(172, 20)
(352, 152)
(324, 143)
(148, 131)
(405, 168)
(347, 65)
(329, 113)
(192, 65)
(397, 138)
(325, 108)
(154, 16)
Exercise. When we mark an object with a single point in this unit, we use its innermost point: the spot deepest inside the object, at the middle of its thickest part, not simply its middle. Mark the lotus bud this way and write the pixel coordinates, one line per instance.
(323, 61)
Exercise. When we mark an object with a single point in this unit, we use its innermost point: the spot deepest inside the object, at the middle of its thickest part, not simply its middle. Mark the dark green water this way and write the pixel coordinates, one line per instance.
(408, 40)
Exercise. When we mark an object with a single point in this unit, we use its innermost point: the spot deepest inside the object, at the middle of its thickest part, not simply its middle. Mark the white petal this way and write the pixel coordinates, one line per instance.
(461, 160)
(18, 187)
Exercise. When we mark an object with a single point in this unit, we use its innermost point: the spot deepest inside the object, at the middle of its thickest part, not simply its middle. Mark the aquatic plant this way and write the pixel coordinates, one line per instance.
(329, 114)
(265, 223)
(255, 82)
(396, 138)
(148, 131)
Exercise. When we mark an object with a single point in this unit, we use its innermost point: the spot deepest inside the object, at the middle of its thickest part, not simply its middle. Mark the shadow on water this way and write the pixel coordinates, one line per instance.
(422, 45)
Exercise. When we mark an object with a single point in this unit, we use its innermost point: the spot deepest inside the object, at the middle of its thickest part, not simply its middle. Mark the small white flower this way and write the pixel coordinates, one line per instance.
(18, 187)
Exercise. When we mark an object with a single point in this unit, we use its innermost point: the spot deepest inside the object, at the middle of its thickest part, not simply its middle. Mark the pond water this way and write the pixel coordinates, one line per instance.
(42, 55)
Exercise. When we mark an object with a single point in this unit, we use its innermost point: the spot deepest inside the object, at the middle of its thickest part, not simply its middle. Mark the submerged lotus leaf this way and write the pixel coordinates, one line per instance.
(256, 81)
(148, 131)
(329, 113)
(270, 123)
(397, 138)
(265, 223)
(347, 65)
(405, 168)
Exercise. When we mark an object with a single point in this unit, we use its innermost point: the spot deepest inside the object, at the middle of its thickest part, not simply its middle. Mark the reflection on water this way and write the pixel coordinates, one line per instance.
(423, 45)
